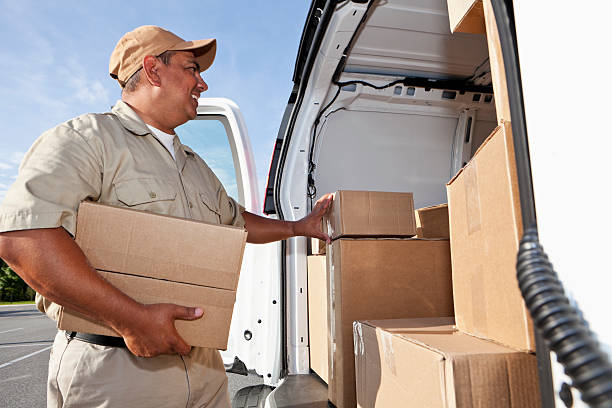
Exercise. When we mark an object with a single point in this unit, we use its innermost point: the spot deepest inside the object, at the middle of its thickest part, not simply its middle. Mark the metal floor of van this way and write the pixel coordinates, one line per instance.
(299, 391)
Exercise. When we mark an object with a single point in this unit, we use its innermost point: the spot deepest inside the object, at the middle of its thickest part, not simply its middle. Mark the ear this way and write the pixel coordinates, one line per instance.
(150, 66)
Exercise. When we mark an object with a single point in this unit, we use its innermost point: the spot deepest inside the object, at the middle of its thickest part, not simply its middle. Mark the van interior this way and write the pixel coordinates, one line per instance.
(392, 101)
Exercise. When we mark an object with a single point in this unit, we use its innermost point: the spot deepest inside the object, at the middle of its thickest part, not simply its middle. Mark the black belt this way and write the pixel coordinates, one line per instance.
(108, 341)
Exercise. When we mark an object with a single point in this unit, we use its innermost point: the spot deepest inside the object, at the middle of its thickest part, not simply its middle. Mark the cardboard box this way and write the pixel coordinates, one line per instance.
(427, 363)
(485, 228)
(318, 315)
(120, 240)
(432, 222)
(466, 16)
(380, 279)
(317, 246)
(189, 263)
(211, 330)
(496, 62)
(371, 213)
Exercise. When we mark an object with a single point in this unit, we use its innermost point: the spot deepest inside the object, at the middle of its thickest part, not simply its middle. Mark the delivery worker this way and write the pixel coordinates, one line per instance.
(130, 156)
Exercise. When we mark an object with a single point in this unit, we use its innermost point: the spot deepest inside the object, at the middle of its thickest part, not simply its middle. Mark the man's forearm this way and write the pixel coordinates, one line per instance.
(53, 264)
(262, 230)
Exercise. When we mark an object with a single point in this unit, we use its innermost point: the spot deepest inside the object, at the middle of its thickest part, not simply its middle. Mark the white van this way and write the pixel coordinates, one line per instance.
(386, 98)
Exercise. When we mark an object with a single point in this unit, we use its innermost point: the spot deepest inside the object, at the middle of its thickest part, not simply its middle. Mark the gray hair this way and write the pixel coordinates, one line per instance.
(133, 82)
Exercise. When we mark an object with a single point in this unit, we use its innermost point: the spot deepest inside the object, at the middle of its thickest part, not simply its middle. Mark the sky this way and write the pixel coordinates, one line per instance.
(54, 65)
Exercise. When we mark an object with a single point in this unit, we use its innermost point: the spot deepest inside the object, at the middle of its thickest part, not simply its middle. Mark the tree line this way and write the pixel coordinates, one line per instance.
(12, 287)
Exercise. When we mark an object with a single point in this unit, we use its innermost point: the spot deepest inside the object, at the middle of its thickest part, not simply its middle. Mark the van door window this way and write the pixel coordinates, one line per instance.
(208, 137)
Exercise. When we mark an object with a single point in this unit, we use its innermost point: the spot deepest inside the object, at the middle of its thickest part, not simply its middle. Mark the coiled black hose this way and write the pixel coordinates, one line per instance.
(561, 325)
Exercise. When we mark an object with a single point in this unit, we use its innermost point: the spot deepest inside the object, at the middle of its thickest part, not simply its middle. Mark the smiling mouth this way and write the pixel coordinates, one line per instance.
(195, 100)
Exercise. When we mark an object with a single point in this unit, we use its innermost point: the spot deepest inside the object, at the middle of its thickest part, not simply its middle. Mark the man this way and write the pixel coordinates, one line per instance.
(129, 157)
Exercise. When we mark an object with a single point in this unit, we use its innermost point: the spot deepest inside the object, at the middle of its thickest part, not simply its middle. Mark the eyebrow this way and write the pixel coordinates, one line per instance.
(196, 64)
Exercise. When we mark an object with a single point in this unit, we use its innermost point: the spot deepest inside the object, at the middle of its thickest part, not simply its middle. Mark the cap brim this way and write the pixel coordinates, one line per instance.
(203, 50)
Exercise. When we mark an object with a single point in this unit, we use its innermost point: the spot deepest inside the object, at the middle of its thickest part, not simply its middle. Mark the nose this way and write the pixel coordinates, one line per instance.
(202, 86)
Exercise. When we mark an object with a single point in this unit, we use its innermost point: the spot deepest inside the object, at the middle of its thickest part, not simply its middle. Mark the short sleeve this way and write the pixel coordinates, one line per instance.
(60, 170)
(231, 211)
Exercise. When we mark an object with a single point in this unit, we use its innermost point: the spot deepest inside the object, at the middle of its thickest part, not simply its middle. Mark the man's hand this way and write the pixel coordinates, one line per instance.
(310, 226)
(262, 229)
(152, 331)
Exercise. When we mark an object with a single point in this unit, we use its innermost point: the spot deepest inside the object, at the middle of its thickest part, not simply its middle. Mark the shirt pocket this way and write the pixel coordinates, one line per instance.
(153, 195)
(212, 205)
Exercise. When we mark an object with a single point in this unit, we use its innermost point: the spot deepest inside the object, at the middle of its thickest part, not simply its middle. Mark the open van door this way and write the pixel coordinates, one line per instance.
(219, 135)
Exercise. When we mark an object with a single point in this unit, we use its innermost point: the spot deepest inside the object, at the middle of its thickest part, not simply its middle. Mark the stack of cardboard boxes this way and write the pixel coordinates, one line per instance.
(405, 348)
(161, 259)
(373, 269)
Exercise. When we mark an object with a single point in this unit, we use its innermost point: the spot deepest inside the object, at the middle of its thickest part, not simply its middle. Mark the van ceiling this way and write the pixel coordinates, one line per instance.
(413, 38)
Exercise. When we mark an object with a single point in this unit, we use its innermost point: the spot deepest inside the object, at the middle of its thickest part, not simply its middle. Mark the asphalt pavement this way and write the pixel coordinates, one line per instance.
(26, 336)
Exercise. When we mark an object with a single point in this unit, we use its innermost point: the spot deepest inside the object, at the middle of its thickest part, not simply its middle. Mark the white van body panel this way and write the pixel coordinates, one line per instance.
(567, 100)
(255, 332)
(293, 189)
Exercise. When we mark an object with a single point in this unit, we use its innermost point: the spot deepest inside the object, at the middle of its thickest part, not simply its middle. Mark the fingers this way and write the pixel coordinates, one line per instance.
(188, 313)
(322, 236)
(185, 313)
(324, 201)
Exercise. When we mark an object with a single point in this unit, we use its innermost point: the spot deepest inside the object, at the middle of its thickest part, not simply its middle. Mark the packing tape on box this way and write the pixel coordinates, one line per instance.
(472, 198)
(358, 346)
(387, 345)
(330, 312)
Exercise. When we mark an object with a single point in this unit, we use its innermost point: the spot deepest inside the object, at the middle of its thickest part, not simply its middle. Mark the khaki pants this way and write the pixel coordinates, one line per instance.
(87, 375)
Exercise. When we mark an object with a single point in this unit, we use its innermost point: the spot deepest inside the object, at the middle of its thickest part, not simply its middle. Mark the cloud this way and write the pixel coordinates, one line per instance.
(84, 88)
(5, 166)
(16, 157)
(89, 92)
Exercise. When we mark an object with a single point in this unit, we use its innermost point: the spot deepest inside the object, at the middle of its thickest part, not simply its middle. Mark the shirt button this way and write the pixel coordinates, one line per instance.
(152, 194)
(190, 204)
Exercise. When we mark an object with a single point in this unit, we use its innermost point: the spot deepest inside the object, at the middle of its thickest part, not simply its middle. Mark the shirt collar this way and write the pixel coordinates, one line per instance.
(130, 119)
(132, 122)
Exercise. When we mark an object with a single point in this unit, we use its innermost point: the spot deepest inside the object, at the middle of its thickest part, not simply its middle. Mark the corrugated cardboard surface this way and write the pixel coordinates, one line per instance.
(145, 244)
(432, 222)
(317, 246)
(485, 228)
(380, 279)
(466, 16)
(211, 330)
(403, 365)
(371, 213)
(160, 259)
(318, 315)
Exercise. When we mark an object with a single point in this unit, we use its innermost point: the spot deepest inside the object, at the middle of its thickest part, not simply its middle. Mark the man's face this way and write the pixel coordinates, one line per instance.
(182, 85)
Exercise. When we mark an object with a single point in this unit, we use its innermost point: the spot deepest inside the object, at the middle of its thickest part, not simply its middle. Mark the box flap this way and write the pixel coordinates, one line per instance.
(394, 373)
(466, 16)
(440, 369)
(415, 325)
(485, 227)
(159, 246)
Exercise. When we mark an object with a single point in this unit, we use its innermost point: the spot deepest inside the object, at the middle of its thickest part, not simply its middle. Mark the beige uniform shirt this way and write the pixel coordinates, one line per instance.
(112, 158)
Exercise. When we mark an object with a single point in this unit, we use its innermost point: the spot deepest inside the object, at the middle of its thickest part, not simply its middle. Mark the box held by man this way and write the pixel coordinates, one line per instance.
(161, 259)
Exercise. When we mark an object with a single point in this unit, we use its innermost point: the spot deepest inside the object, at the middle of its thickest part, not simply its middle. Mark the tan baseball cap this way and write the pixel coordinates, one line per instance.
(129, 52)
